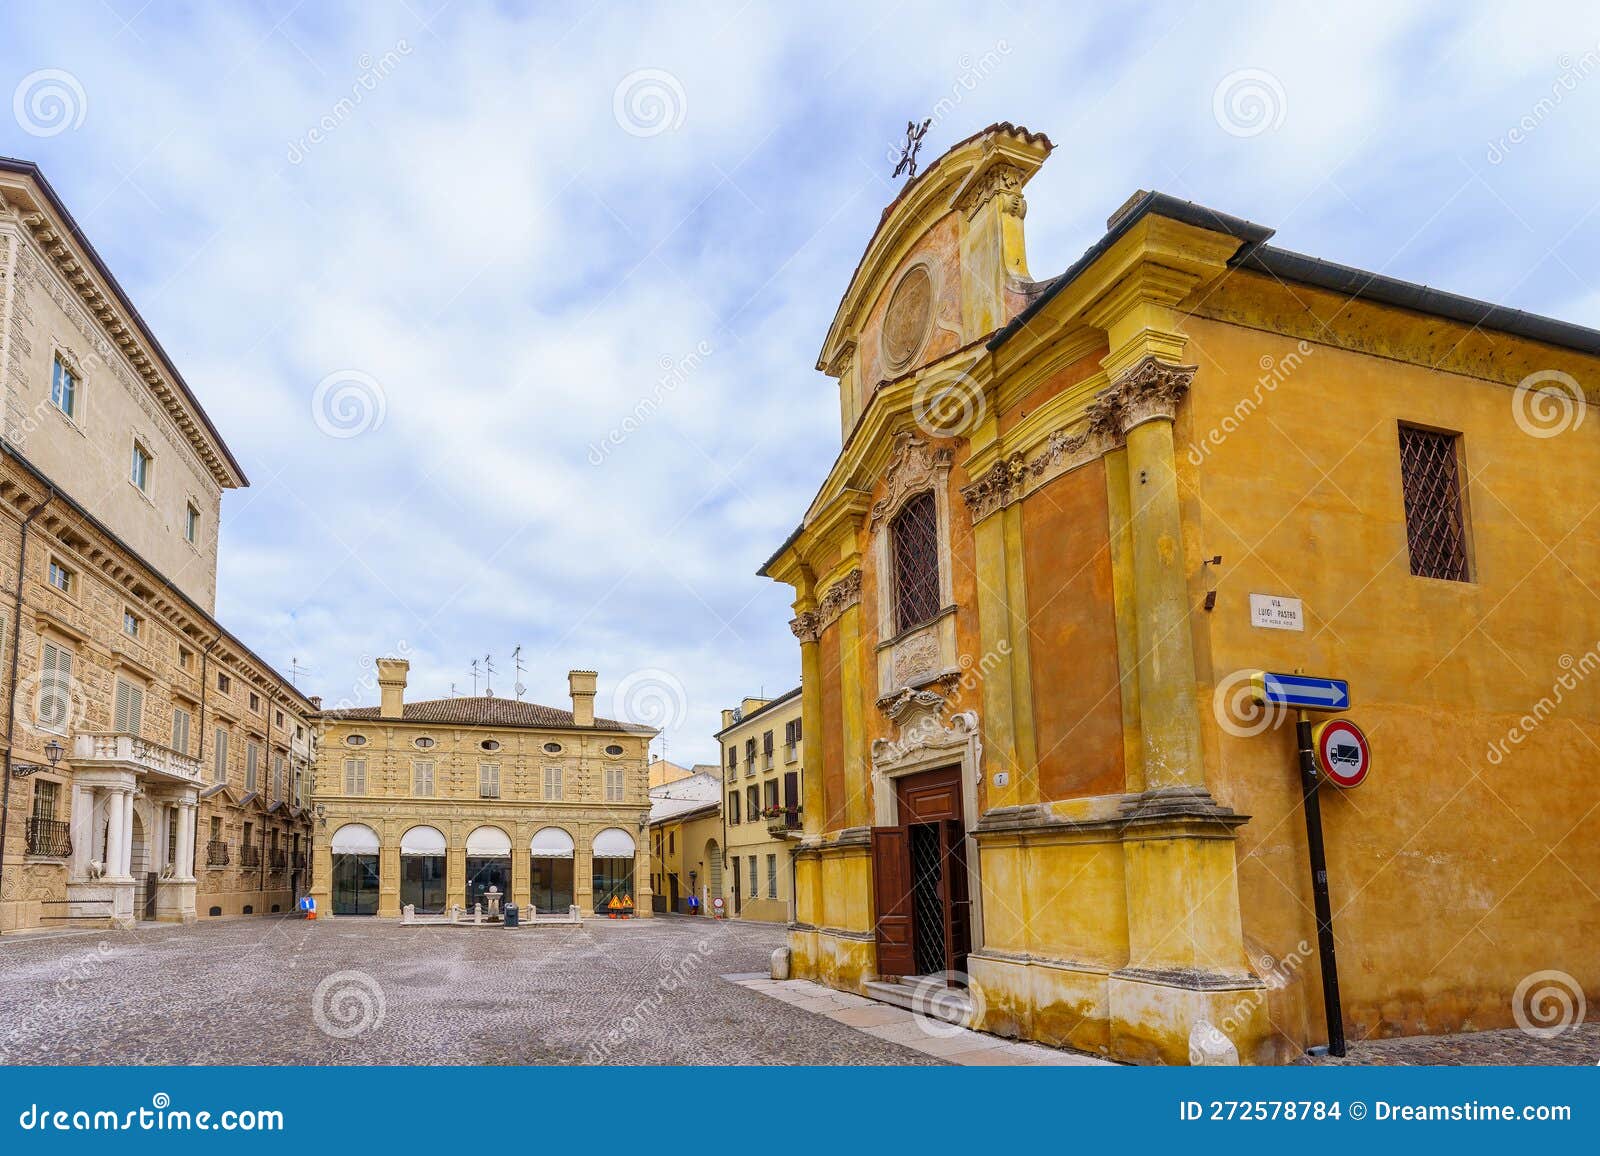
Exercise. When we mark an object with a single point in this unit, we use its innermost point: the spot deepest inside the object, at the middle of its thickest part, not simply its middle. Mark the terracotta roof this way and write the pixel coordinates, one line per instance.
(485, 711)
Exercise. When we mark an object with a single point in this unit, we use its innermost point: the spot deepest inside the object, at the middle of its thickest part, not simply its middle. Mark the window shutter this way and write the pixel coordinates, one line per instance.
(180, 730)
(220, 757)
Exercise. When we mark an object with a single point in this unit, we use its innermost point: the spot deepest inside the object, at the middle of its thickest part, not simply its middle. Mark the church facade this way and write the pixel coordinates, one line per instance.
(1069, 521)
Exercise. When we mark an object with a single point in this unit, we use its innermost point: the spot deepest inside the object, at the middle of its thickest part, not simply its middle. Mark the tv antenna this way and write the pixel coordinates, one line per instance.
(516, 658)
(474, 678)
(295, 671)
(488, 675)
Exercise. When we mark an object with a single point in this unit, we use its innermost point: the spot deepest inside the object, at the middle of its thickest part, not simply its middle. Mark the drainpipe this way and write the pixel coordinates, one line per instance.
(11, 699)
(205, 686)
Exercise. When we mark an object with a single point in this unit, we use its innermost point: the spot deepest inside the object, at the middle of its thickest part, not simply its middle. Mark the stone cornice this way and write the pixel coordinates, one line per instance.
(116, 333)
(1001, 179)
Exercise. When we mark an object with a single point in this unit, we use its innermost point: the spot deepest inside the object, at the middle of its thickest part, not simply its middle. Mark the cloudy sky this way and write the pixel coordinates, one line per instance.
(510, 312)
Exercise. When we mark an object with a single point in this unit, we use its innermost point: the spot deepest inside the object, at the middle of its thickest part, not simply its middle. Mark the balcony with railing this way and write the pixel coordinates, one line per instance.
(51, 838)
(278, 861)
(781, 821)
(300, 861)
(217, 853)
(121, 748)
(250, 857)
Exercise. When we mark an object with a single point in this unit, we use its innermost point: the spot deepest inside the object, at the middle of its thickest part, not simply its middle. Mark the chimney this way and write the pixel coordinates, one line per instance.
(581, 684)
(392, 686)
(316, 702)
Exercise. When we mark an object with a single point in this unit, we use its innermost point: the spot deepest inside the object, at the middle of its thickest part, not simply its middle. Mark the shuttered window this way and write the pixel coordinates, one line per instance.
(422, 777)
(488, 780)
(252, 764)
(128, 709)
(277, 776)
(219, 757)
(613, 784)
(914, 537)
(180, 730)
(355, 776)
(55, 688)
(553, 784)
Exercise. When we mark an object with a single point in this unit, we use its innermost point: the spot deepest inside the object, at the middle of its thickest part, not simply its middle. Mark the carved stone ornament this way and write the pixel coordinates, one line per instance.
(916, 659)
(912, 468)
(926, 735)
(909, 318)
(896, 706)
(843, 594)
(1001, 180)
(1150, 390)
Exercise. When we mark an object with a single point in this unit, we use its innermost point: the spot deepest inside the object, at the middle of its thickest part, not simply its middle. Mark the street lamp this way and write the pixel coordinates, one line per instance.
(53, 751)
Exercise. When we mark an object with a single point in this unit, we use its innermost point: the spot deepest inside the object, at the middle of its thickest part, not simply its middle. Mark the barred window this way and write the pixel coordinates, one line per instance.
(1430, 475)
(914, 538)
(772, 876)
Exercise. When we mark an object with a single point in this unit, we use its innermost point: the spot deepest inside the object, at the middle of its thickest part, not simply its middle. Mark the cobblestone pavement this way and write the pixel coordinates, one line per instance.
(1577, 1045)
(269, 990)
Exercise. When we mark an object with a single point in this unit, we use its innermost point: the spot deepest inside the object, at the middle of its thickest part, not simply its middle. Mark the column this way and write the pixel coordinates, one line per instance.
(583, 870)
(184, 868)
(853, 689)
(812, 804)
(125, 868)
(1169, 718)
(116, 835)
(82, 829)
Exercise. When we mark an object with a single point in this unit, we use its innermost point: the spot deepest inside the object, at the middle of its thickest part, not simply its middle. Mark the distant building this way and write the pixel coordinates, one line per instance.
(763, 781)
(433, 803)
(686, 848)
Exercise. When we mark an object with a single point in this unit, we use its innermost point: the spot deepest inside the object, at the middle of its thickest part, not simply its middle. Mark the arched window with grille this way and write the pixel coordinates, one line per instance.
(914, 543)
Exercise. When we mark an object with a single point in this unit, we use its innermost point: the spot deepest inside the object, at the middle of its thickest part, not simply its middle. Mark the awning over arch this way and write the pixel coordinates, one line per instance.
(613, 843)
(355, 839)
(422, 841)
(488, 843)
(551, 843)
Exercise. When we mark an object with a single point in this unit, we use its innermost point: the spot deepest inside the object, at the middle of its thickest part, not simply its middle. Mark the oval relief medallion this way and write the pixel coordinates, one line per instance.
(908, 319)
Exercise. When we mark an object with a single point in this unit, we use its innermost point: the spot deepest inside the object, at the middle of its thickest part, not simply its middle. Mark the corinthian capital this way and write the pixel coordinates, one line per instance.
(1149, 391)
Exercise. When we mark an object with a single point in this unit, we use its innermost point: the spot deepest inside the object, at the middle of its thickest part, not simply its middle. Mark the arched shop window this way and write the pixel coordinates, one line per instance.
(613, 872)
(488, 865)
(355, 870)
(422, 870)
(552, 860)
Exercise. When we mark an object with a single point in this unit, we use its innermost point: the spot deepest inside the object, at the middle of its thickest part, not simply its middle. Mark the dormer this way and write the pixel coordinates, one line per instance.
(945, 268)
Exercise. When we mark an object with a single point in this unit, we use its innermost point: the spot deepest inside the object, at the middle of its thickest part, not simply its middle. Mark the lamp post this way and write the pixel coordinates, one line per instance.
(53, 750)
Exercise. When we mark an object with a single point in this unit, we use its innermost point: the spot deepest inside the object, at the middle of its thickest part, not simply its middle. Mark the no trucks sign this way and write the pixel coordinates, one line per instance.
(1343, 754)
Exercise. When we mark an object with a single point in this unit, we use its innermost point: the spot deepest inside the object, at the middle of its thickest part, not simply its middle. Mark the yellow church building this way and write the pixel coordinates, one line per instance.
(1071, 517)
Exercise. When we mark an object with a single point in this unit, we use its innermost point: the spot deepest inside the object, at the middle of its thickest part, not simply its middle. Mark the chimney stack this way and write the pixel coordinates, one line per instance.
(581, 683)
(392, 686)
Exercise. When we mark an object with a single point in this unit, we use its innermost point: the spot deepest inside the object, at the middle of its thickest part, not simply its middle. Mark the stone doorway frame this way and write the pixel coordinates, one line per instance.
(927, 744)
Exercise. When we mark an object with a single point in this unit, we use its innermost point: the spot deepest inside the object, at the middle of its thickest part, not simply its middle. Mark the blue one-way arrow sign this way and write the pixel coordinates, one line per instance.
(1305, 691)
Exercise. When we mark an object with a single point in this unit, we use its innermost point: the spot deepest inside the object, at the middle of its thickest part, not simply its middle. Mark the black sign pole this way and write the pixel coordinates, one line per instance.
(1319, 888)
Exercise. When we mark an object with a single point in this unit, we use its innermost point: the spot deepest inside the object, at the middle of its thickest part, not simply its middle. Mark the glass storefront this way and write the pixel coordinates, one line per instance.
(355, 884)
(484, 873)
(613, 878)
(552, 884)
(422, 883)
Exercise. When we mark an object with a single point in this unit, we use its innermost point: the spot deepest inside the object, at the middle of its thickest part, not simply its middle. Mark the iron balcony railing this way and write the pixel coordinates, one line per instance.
(279, 861)
(49, 837)
(300, 861)
(249, 856)
(216, 853)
